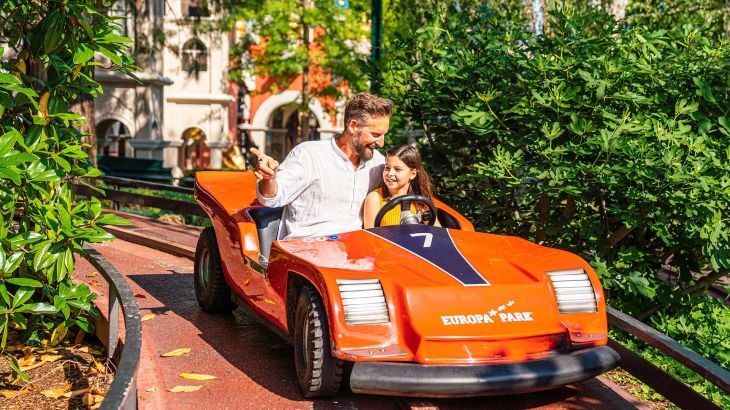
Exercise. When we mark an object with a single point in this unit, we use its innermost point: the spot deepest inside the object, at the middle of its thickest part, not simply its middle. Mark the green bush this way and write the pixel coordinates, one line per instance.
(609, 141)
(48, 62)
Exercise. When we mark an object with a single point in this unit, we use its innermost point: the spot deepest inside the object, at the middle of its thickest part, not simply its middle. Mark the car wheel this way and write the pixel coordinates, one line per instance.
(211, 289)
(318, 372)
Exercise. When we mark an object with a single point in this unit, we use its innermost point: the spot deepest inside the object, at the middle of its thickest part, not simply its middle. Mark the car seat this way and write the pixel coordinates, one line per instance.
(267, 225)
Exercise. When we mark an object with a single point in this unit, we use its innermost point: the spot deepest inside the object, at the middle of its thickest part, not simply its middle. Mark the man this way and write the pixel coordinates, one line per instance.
(322, 184)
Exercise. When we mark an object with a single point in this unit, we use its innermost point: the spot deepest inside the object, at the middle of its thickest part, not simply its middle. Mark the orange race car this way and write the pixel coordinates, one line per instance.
(413, 310)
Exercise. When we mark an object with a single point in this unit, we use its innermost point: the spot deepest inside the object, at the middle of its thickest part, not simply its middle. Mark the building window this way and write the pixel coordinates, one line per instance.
(112, 139)
(195, 8)
(194, 56)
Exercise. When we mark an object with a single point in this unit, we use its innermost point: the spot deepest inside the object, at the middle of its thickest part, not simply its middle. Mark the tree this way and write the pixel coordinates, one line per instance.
(321, 41)
(48, 62)
(712, 17)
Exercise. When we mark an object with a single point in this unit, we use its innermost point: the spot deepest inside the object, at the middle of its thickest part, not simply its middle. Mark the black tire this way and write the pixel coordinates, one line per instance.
(211, 289)
(319, 374)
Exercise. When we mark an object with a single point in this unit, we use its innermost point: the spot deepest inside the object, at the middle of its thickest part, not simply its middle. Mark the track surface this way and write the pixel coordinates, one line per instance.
(254, 366)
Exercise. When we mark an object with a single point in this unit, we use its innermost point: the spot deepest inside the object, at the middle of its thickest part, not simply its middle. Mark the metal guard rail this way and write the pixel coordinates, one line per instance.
(666, 385)
(122, 393)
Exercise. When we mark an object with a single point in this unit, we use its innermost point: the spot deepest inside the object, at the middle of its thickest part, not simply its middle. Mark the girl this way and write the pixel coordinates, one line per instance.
(403, 174)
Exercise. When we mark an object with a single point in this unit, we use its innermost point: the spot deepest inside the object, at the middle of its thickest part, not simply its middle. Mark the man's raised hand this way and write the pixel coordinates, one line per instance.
(267, 166)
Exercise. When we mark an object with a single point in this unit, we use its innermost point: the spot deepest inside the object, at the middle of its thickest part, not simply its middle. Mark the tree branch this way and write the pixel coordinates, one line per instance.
(700, 286)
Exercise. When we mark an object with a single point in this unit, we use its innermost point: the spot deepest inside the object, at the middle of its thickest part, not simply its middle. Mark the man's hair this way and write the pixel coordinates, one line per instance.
(364, 106)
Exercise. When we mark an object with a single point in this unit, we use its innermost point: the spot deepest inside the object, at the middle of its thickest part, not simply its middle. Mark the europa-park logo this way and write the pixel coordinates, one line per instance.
(499, 314)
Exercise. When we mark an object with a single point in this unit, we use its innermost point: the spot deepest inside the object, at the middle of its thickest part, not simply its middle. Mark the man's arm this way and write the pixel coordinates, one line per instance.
(266, 174)
(279, 185)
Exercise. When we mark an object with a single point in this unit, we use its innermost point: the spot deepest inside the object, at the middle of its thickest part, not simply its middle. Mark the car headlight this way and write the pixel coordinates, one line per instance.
(574, 291)
(363, 301)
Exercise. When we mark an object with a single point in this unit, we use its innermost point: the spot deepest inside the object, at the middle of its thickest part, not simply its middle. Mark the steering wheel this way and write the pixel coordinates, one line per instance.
(405, 205)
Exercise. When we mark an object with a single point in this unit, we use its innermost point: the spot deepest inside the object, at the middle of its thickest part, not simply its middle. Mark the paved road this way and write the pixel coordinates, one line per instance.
(254, 366)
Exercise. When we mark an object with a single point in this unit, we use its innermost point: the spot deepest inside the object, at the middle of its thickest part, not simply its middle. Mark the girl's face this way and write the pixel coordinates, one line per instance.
(397, 176)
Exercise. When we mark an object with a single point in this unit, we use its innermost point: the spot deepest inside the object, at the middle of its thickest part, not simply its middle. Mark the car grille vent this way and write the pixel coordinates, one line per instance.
(574, 291)
(363, 301)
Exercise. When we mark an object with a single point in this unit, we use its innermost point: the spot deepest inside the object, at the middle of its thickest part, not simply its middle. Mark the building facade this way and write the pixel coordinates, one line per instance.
(185, 112)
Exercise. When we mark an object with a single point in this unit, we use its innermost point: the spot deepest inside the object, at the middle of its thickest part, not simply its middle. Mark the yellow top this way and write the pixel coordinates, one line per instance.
(393, 216)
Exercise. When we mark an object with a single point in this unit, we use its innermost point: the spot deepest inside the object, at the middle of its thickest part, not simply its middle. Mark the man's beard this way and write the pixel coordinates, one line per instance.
(364, 152)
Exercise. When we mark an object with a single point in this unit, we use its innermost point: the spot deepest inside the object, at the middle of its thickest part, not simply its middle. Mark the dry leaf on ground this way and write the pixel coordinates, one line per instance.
(177, 352)
(152, 389)
(91, 399)
(50, 357)
(185, 389)
(92, 274)
(195, 376)
(31, 367)
(76, 393)
(53, 393)
(148, 316)
(139, 295)
(26, 361)
(8, 394)
(95, 283)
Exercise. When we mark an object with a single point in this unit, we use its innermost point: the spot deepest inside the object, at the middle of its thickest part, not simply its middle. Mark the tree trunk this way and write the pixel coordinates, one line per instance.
(84, 105)
(727, 18)
(304, 110)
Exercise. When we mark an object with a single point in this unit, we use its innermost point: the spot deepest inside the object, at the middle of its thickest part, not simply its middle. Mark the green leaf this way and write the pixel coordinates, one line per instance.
(54, 31)
(21, 296)
(32, 283)
(24, 238)
(7, 141)
(111, 219)
(85, 306)
(68, 260)
(84, 324)
(93, 173)
(12, 263)
(9, 79)
(41, 253)
(704, 90)
(83, 54)
(4, 296)
(12, 361)
(33, 137)
(37, 308)
(63, 216)
(11, 174)
(15, 159)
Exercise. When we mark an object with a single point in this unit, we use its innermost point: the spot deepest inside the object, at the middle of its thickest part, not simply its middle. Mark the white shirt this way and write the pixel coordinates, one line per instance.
(321, 190)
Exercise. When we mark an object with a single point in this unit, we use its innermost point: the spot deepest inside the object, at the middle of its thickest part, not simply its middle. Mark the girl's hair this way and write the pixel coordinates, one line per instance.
(421, 184)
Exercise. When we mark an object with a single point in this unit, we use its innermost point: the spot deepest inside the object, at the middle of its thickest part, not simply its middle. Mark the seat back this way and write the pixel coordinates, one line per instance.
(267, 225)
(447, 220)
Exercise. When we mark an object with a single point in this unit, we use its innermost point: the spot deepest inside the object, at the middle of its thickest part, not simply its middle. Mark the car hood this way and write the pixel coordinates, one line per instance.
(424, 256)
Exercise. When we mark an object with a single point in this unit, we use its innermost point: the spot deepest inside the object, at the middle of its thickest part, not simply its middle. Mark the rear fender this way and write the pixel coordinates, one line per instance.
(230, 236)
